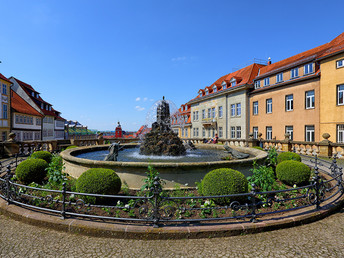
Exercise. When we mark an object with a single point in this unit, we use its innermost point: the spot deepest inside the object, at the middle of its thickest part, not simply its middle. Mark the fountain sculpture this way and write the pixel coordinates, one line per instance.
(162, 140)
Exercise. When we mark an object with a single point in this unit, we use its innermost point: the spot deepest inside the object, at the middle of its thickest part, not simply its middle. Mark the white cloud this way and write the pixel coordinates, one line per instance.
(179, 58)
(138, 108)
(151, 99)
(145, 99)
(138, 99)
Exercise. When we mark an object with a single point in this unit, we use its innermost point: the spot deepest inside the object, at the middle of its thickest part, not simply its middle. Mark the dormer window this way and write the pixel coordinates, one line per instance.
(206, 92)
(33, 94)
(42, 107)
(214, 89)
(49, 108)
(224, 85)
(36, 95)
(257, 84)
(233, 82)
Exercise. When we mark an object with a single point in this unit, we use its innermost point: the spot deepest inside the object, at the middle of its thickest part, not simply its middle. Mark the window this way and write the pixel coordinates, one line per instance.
(182, 132)
(42, 107)
(4, 136)
(196, 115)
(220, 132)
(213, 112)
(220, 111)
(206, 92)
(214, 89)
(269, 133)
(238, 132)
(255, 132)
(309, 99)
(197, 132)
(213, 132)
(257, 84)
(32, 94)
(340, 94)
(340, 133)
(203, 113)
(209, 112)
(279, 77)
(232, 109)
(233, 83)
(309, 133)
(308, 68)
(224, 85)
(4, 111)
(238, 109)
(255, 108)
(194, 132)
(193, 116)
(4, 89)
(294, 73)
(203, 132)
(233, 132)
(266, 81)
(209, 132)
(340, 63)
(289, 102)
(290, 130)
(269, 106)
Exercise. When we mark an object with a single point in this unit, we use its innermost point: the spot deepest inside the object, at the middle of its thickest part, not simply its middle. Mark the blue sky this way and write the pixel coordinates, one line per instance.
(105, 61)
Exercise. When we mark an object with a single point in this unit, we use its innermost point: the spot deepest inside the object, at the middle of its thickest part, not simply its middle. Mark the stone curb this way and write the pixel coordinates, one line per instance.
(147, 232)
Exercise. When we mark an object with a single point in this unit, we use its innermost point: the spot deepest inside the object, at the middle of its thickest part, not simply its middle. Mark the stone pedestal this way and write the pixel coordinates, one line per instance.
(286, 144)
(11, 149)
(325, 148)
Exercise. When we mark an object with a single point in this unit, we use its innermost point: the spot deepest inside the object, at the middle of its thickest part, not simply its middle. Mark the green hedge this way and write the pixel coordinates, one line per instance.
(98, 181)
(32, 170)
(293, 172)
(288, 156)
(224, 181)
(71, 147)
(46, 155)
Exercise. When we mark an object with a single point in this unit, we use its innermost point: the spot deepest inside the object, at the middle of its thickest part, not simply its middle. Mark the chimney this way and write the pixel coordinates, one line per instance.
(269, 62)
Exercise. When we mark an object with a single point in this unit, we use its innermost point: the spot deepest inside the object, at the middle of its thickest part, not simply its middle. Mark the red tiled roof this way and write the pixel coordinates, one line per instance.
(18, 104)
(243, 76)
(4, 78)
(335, 45)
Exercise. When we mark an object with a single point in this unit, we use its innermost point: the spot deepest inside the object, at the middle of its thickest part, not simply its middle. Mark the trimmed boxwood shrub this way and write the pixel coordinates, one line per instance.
(98, 181)
(288, 156)
(71, 147)
(293, 172)
(46, 155)
(32, 170)
(224, 181)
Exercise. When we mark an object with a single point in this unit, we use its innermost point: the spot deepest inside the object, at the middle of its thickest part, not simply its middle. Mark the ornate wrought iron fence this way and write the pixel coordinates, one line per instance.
(158, 207)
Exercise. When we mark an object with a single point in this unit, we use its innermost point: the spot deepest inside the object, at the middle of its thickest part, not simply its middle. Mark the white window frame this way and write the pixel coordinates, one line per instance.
(255, 132)
(209, 112)
(308, 69)
(233, 132)
(257, 84)
(238, 132)
(269, 132)
(267, 81)
(309, 133)
(213, 113)
(238, 109)
(294, 73)
(214, 89)
(340, 94)
(220, 132)
(289, 103)
(340, 133)
(279, 77)
(220, 111)
(310, 99)
(224, 85)
(290, 130)
(4, 111)
(203, 113)
(255, 108)
(269, 106)
(340, 63)
(233, 110)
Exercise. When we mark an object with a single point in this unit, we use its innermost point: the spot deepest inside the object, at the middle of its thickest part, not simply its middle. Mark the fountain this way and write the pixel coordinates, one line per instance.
(162, 141)
(177, 162)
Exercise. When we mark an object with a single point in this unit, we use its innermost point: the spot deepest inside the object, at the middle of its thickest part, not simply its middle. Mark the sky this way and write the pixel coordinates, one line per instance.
(104, 61)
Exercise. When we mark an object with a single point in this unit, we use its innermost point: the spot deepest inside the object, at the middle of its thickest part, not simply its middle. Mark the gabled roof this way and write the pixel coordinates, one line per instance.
(18, 104)
(2, 77)
(333, 46)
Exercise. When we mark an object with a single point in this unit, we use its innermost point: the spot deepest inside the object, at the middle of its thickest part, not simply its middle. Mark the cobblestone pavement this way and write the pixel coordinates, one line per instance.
(319, 239)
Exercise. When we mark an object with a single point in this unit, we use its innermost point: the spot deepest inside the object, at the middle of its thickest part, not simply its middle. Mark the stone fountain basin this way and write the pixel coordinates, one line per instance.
(184, 174)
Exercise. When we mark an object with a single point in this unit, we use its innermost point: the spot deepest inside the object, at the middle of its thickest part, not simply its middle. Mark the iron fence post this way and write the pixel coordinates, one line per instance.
(254, 204)
(8, 185)
(317, 183)
(156, 205)
(63, 212)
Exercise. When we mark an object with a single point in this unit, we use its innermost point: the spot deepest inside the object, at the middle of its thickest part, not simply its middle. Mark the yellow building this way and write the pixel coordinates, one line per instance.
(332, 94)
(5, 106)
